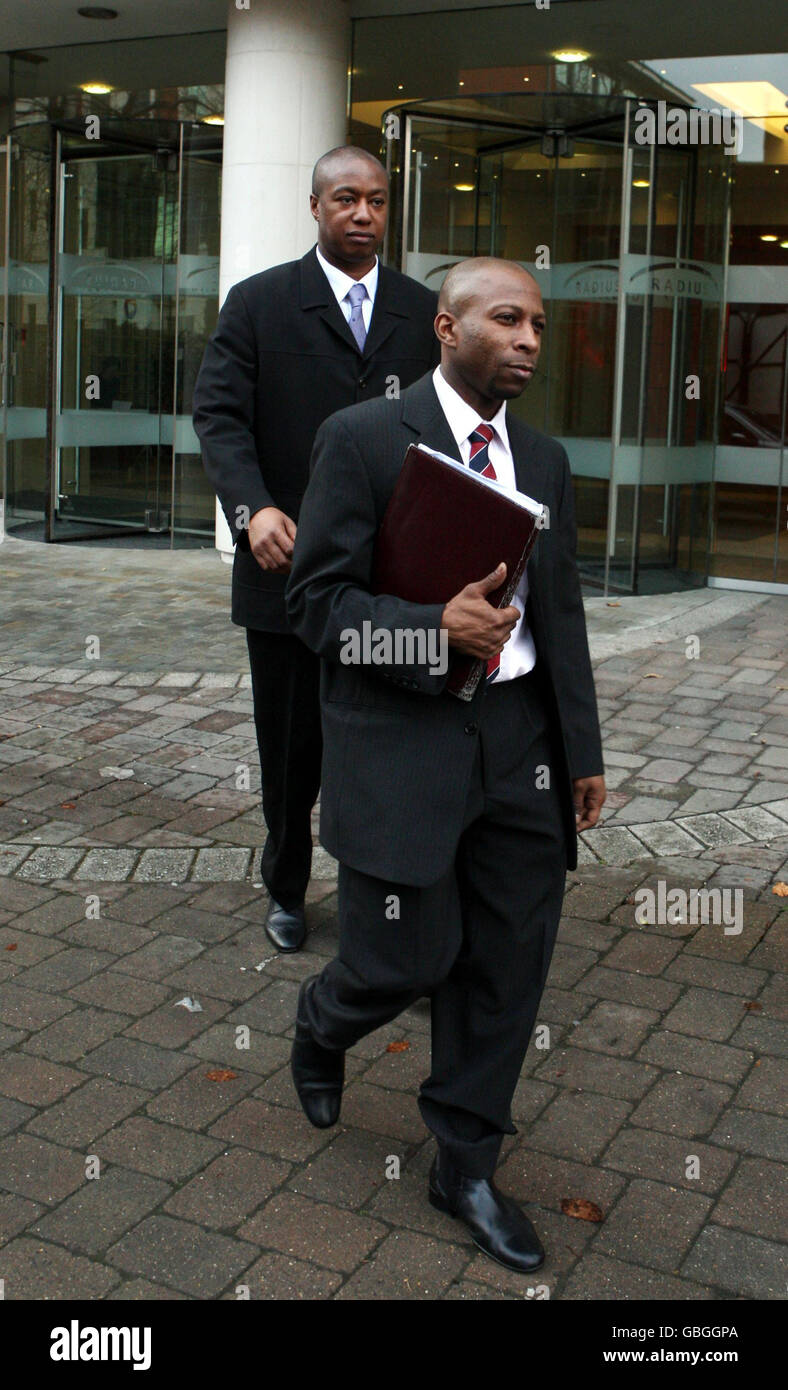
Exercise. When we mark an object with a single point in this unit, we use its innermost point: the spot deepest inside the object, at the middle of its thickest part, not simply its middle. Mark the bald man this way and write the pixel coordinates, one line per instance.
(454, 823)
(293, 345)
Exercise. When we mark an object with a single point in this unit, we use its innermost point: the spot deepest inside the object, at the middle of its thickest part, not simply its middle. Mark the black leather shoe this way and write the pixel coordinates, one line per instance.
(318, 1072)
(286, 929)
(496, 1223)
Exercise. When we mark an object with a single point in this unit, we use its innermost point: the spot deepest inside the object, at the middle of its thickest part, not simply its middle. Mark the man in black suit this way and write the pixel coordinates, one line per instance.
(292, 345)
(453, 822)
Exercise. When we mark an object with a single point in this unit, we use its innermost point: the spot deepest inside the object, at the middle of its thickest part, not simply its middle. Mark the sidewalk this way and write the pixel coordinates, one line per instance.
(123, 895)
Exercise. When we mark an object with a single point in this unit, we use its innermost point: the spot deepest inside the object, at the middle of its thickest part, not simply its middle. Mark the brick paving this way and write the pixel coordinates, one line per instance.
(152, 1150)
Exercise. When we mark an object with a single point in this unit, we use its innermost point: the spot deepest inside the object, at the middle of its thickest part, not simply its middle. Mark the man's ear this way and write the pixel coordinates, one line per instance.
(446, 328)
(313, 206)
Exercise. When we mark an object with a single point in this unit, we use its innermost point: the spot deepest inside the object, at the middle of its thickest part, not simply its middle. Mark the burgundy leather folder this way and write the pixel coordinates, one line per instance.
(446, 527)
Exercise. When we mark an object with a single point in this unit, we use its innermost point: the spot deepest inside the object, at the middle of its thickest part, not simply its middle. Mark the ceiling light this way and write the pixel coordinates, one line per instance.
(464, 187)
(212, 120)
(760, 102)
(640, 183)
(571, 55)
(768, 236)
(96, 89)
(784, 245)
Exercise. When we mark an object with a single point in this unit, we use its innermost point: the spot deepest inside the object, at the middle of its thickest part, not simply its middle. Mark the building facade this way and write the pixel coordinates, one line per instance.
(143, 172)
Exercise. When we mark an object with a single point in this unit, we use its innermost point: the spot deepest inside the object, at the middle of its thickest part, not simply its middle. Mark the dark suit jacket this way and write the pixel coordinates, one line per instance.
(281, 359)
(398, 749)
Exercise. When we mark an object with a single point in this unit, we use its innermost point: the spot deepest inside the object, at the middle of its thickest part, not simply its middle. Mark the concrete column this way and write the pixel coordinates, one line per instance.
(284, 105)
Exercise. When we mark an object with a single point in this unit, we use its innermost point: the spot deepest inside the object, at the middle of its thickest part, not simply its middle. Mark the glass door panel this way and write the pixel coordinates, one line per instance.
(26, 320)
(116, 334)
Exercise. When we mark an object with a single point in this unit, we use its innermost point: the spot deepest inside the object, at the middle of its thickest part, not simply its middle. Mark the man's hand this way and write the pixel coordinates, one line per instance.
(589, 798)
(473, 625)
(271, 537)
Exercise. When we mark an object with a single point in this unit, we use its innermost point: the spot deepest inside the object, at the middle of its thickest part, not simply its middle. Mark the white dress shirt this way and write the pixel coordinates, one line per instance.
(341, 283)
(519, 653)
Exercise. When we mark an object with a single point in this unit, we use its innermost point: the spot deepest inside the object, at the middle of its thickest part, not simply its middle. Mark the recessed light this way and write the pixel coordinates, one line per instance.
(571, 55)
(97, 12)
(768, 236)
(464, 187)
(212, 120)
(96, 89)
(784, 245)
(640, 183)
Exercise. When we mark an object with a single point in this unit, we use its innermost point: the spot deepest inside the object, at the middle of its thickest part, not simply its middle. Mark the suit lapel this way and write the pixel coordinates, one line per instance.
(422, 413)
(386, 313)
(316, 293)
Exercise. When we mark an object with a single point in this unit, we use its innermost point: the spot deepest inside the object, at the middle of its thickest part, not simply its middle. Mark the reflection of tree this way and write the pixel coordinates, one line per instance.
(741, 369)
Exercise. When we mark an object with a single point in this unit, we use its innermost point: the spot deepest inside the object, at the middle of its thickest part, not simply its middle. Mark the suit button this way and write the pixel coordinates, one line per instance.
(362, 381)
(471, 728)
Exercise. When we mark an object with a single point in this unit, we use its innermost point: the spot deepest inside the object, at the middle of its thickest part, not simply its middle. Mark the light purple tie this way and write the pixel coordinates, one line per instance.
(357, 294)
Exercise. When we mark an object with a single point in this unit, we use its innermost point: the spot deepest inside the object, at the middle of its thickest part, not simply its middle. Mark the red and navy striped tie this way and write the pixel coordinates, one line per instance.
(479, 460)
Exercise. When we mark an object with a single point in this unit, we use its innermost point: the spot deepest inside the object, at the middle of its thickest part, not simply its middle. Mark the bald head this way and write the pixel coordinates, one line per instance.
(469, 281)
(335, 163)
(489, 323)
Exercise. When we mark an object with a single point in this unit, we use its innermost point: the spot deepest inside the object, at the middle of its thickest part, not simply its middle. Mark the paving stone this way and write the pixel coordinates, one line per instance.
(87, 1112)
(746, 1265)
(49, 862)
(348, 1170)
(762, 1034)
(766, 1087)
(626, 990)
(180, 1255)
(617, 1029)
(602, 1278)
(407, 1265)
(753, 1132)
(137, 1290)
(164, 865)
(162, 1150)
(273, 1129)
(578, 1125)
(16, 1214)
(755, 1200)
(35, 1080)
(122, 993)
(33, 1269)
(221, 864)
(643, 952)
(653, 1224)
(279, 1277)
(682, 1105)
(704, 1014)
(13, 1114)
(229, 1189)
(590, 1071)
(43, 1172)
(697, 1056)
(710, 829)
(299, 1228)
(649, 1154)
(113, 864)
(160, 957)
(137, 1063)
(101, 1210)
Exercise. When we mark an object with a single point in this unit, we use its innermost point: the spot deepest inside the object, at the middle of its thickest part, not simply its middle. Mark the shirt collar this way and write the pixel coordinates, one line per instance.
(341, 283)
(462, 417)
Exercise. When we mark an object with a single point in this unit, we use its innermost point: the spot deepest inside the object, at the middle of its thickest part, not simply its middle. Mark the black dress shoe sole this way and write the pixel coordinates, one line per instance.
(438, 1201)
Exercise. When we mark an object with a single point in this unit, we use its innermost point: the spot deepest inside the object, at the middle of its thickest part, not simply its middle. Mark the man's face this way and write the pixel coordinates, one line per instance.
(496, 339)
(350, 211)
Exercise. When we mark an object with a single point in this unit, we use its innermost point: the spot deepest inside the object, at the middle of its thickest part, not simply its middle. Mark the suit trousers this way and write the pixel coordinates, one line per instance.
(286, 696)
(478, 942)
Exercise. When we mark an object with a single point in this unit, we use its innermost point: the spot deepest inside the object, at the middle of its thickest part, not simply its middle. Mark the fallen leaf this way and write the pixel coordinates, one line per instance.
(753, 1007)
(614, 605)
(12, 947)
(781, 889)
(68, 805)
(398, 1046)
(582, 1209)
(652, 676)
(221, 1074)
